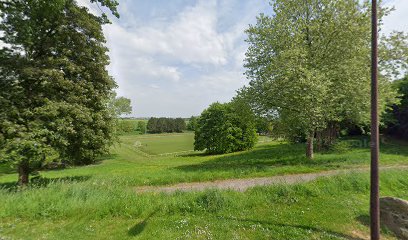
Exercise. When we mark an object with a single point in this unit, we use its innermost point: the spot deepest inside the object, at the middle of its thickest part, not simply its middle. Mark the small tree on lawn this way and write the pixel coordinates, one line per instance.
(224, 128)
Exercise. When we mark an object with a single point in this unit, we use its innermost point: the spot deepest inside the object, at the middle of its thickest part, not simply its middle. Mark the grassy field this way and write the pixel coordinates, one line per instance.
(156, 144)
(99, 201)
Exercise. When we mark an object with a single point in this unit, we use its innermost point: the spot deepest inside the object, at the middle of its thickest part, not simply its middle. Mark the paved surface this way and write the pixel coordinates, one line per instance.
(244, 184)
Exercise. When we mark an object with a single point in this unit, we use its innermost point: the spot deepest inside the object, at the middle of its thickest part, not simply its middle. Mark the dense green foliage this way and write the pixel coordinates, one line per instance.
(120, 105)
(224, 128)
(125, 126)
(166, 125)
(398, 122)
(141, 127)
(192, 123)
(311, 72)
(54, 87)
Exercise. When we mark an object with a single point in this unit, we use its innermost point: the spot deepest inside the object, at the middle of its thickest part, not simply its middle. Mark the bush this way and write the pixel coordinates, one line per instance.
(224, 128)
(141, 127)
(126, 126)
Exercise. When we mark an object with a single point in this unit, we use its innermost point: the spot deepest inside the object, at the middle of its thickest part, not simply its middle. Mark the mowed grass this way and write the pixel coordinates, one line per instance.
(129, 165)
(156, 144)
(99, 201)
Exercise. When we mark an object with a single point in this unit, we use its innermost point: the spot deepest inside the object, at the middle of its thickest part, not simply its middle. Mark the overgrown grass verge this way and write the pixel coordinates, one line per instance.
(329, 208)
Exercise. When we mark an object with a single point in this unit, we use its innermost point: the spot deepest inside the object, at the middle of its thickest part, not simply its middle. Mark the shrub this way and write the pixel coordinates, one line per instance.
(224, 128)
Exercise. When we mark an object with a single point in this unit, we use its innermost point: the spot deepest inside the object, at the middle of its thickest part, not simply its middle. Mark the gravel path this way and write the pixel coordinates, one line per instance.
(244, 184)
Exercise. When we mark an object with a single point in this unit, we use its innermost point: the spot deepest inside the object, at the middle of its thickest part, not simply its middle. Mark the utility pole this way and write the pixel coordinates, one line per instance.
(375, 135)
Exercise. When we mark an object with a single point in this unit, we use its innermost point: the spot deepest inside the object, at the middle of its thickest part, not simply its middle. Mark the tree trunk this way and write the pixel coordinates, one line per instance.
(309, 147)
(23, 174)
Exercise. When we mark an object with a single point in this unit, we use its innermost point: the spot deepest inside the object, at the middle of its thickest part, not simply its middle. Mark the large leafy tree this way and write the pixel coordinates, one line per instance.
(54, 86)
(309, 65)
(224, 128)
(398, 114)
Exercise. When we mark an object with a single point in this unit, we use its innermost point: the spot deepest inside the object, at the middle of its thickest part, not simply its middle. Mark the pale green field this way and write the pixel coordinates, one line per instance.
(156, 144)
(167, 143)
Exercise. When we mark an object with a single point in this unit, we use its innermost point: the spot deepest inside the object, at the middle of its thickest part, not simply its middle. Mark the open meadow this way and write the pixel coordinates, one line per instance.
(100, 201)
(223, 119)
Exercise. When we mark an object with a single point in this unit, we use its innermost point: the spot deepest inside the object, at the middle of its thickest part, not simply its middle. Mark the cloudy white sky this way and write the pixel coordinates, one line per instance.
(175, 57)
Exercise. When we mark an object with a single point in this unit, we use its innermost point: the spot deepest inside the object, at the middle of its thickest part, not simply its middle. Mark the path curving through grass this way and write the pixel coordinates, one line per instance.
(243, 184)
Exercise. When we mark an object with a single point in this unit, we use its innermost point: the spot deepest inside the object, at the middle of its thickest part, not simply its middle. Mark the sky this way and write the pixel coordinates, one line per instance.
(173, 58)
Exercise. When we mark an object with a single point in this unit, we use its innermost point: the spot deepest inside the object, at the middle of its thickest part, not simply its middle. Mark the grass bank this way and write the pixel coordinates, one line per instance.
(329, 208)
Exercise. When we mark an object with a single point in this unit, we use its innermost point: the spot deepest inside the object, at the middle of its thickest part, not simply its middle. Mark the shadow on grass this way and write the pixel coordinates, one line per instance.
(139, 227)
(40, 182)
(263, 157)
(303, 227)
(395, 147)
(364, 220)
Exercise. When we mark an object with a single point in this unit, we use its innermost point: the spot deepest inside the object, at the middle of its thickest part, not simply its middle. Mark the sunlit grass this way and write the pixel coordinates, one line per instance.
(99, 201)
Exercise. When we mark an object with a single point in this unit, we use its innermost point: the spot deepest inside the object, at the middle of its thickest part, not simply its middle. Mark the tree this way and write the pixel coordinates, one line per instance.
(121, 105)
(141, 126)
(54, 87)
(192, 123)
(224, 128)
(398, 114)
(308, 66)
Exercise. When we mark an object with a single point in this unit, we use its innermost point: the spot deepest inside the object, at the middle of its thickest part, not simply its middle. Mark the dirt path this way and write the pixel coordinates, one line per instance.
(244, 184)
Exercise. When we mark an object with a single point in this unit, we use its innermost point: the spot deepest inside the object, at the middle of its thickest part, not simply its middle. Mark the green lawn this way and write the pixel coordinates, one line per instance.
(99, 201)
(155, 144)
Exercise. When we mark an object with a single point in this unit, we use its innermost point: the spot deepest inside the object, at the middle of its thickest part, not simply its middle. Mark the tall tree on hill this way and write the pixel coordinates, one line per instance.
(309, 65)
(54, 86)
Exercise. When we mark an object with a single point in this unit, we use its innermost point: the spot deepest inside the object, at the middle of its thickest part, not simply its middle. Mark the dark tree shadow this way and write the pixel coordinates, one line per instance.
(303, 227)
(394, 146)
(263, 157)
(139, 227)
(40, 182)
(194, 154)
(364, 220)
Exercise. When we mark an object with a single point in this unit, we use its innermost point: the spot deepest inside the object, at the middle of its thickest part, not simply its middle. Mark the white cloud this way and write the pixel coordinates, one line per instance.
(398, 19)
(190, 38)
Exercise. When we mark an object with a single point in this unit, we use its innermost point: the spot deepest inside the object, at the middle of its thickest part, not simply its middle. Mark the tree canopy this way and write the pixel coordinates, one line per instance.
(121, 105)
(224, 128)
(309, 65)
(54, 86)
(398, 119)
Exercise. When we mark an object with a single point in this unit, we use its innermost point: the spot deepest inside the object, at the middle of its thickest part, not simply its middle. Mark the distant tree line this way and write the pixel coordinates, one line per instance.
(166, 125)
(130, 126)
